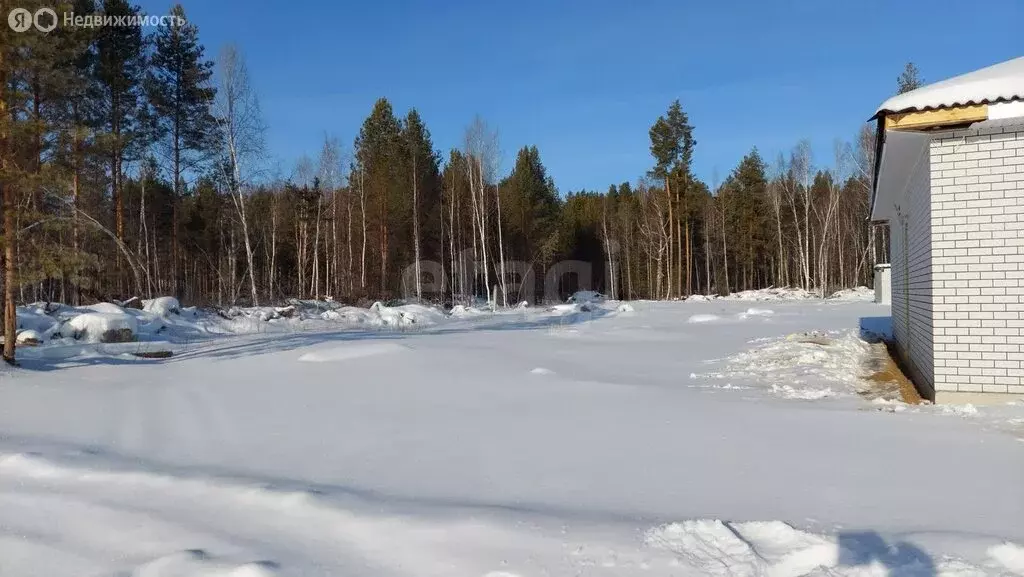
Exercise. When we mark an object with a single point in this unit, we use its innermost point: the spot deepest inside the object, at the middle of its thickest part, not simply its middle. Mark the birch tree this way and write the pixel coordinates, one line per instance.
(242, 130)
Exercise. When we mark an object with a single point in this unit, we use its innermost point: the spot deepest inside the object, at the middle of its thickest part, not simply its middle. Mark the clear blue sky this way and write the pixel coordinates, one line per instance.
(584, 80)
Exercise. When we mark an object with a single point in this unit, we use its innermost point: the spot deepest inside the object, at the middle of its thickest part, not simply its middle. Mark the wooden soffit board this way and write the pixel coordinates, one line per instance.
(925, 119)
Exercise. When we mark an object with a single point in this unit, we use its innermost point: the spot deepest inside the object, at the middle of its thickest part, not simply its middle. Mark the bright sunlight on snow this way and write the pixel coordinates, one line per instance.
(593, 438)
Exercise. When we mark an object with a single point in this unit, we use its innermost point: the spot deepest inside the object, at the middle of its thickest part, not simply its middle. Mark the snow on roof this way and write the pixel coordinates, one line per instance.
(1001, 82)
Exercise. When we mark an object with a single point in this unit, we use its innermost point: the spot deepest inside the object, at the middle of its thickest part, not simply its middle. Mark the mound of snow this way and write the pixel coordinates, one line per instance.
(199, 563)
(1009, 555)
(106, 308)
(29, 337)
(162, 306)
(462, 311)
(704, 319)
(420, 314)
(802, 366)
(701, 298)
(755, 312)
(101, 327)
(35, 319)
(586, 297)
(861, 293)
(350, 351)
(772, 294)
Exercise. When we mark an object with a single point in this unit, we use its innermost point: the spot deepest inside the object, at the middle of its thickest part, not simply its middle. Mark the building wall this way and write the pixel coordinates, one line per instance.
(911, 258)
(977, 226)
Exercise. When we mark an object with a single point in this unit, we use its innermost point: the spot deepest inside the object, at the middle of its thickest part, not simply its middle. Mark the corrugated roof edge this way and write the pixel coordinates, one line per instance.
(1012, 98)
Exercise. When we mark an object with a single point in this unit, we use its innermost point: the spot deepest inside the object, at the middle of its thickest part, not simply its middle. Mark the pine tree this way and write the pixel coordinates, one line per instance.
(672, 145)
(908, 80)
(422, 165)
(120, 71)
(378, 150)
(178, 89)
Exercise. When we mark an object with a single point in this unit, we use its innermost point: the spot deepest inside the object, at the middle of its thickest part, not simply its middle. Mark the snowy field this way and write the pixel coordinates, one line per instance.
(723, 437)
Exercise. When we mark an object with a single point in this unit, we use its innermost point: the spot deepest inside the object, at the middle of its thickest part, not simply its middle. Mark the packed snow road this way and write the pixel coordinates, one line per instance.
(683, 438)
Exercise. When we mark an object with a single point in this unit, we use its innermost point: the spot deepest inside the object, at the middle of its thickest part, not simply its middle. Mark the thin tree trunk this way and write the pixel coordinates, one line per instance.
(10, 234)
(668, 288)
(362, 212)
(416, 230)
(501, 250)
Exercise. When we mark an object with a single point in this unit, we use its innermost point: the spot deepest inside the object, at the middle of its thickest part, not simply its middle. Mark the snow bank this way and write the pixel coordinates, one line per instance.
(801, 366)
(351, 351)
(861, 293)
(29, 337)
(104, 308)
(199, 563)
(586, 296)
(162, 306)
(35, 318)
(704, 319)
(766, 294)
(100, 327)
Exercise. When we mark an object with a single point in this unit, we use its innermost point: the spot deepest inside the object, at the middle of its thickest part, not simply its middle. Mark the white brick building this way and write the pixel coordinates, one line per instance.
(949, 181)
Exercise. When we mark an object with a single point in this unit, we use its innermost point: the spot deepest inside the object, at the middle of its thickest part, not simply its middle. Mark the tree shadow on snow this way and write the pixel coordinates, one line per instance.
(901, 559)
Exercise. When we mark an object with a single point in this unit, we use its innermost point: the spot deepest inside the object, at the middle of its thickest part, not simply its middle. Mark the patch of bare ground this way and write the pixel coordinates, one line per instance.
(885, 378)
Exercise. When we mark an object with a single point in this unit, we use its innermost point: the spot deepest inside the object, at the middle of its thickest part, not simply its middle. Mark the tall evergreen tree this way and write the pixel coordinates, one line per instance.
(672, 145)
(378, 151)
(531, 203)
(422, 164)
(121, 66)
(179, 91)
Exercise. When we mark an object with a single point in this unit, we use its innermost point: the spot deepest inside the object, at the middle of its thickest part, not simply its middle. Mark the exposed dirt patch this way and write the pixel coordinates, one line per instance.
(886, 380)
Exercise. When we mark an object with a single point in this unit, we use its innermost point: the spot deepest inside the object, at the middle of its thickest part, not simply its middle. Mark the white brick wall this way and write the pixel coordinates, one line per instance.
(911, 258)
(977, 260)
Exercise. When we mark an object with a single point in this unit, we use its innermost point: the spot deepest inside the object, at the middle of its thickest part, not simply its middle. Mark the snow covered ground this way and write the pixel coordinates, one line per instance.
(722, 437)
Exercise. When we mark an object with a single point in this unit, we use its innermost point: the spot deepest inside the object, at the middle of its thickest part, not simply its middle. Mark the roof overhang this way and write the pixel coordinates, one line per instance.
(1003, 82)
(900, 153)
(995, 92)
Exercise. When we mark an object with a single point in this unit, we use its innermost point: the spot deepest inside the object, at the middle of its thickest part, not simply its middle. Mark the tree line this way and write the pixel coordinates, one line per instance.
(132, 164)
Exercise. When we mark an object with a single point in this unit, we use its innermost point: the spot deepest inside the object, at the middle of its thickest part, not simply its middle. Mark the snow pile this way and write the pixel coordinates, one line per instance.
(773, 294)
(29, 337)
(967, 410)
(861, 293)
(462, 311)
(701, 298)
(766, 294)
(756, 312)
(35, 317)
(351, 351)
(199, 563)
(103, 308)
(162, 306)
(700, 319)
(586, 297)
(802, 366)
(101, 327)
(1008, 555)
